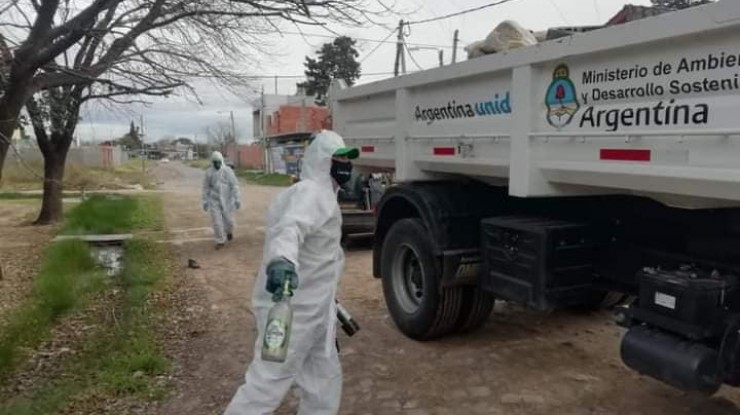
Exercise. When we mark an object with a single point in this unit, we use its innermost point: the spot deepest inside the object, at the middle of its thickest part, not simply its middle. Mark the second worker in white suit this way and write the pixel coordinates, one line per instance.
(221, 197)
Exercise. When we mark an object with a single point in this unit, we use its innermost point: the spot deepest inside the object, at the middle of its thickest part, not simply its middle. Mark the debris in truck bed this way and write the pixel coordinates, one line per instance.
(506, 36)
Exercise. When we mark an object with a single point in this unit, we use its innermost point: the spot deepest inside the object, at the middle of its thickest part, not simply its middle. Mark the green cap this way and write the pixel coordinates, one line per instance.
(349, 152)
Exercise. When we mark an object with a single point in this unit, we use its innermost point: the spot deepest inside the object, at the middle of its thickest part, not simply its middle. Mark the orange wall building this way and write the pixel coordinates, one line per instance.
(295, 119)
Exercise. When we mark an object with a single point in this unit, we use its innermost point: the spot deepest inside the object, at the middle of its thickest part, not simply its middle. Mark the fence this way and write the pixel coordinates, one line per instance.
(94, 156)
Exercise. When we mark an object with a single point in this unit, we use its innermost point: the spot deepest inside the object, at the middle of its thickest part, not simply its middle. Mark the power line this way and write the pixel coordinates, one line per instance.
(560, 12)
(411, 55)
(598, 10)
(460, 13)
(385, 40)
(280, 76)
(379, 45)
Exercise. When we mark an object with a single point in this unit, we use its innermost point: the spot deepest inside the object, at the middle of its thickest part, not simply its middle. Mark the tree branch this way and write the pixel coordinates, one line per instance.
(66, 35)
(154, 91)
(39, 30)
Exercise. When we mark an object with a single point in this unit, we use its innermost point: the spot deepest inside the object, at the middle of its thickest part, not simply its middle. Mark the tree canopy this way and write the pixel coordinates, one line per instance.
(132, 139)
(335, 60)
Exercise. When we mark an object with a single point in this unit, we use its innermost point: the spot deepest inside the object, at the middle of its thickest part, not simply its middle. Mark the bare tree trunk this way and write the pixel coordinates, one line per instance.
(3, 153)
(54, 163)
(10, 108)
(8, 124)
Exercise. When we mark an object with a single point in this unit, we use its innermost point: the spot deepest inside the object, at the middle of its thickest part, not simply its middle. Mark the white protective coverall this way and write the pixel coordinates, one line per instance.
(304, 226)
(221, 197)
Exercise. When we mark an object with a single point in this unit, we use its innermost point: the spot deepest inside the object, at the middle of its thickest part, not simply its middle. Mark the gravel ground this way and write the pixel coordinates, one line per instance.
(21, 246)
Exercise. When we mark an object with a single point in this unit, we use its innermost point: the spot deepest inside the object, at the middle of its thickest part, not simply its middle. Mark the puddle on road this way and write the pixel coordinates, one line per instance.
(109, 257)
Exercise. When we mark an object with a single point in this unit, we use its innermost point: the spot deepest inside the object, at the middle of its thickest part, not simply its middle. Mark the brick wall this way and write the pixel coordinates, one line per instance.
(292, 119)
(246, 156)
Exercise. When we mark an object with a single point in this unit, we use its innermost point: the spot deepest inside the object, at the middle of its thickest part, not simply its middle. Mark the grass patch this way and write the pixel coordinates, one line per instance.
(262, 179)
(77, 177)
(133, 356)
(67, 280)
(148, 214)
(251, 176)
(51, 399)
(122, 357)
(199, 164)
(101, 214)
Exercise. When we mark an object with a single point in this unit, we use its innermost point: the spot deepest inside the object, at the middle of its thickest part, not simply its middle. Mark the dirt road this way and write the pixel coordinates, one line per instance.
(521, 362)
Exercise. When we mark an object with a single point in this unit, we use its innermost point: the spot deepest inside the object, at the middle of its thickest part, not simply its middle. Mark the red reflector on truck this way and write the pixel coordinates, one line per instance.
(368, 149)
(625, 155)
(444, 151)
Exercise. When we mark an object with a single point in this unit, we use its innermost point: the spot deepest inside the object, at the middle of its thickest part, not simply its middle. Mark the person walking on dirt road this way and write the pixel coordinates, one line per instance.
(302, 247)
(220, 198)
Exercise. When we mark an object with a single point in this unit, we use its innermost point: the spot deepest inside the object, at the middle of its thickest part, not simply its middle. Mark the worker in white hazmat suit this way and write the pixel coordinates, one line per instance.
(302, 246)
(220, 198)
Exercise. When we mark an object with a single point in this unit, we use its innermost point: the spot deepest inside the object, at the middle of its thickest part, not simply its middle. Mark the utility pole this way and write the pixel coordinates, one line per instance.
(265, 148)
(196, 147)
(403, 57)
(276, 85)
(399, 50)
(441, 58)
(233, 138)
(233, 128)
(143, 148)
(455, 41)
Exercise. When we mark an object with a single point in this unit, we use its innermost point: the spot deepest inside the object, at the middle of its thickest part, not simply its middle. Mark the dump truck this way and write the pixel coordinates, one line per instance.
(556, 175)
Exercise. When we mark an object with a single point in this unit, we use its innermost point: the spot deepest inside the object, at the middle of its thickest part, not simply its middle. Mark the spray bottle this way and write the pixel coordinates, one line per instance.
(277, 330)
(349, 325)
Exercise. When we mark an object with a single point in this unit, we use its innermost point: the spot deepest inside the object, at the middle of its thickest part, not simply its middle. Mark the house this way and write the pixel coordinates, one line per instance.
(180, 149)
(283, 123)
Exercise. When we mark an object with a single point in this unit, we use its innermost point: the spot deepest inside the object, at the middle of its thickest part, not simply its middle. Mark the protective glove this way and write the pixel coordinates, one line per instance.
(280, 271)
(205, 207)
(237, 205)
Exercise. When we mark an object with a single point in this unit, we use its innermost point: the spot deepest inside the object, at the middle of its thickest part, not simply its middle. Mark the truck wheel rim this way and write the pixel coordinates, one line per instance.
(408, 279)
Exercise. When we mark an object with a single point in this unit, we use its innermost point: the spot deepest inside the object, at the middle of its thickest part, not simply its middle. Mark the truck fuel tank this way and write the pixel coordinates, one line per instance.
(684, 364)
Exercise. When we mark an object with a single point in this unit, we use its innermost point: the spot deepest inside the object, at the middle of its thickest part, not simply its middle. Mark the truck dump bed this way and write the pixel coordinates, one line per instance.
(648, 108)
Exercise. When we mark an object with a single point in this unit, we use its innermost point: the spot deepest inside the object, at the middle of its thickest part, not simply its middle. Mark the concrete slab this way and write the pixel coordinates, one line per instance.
(96, 239)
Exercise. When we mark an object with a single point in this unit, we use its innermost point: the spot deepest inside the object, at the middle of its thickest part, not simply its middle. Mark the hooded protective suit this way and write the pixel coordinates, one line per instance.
(221, 197)
(303, 226)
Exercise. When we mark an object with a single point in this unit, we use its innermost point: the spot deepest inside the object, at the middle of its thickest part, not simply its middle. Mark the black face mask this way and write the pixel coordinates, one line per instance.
(341, 171)
(217, 165)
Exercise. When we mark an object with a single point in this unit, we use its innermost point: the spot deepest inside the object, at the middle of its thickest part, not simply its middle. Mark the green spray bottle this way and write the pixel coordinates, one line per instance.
(277, 330)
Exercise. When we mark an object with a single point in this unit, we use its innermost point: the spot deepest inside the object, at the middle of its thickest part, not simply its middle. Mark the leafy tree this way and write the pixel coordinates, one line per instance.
(184, 141)
(132, 139)
(336, 60)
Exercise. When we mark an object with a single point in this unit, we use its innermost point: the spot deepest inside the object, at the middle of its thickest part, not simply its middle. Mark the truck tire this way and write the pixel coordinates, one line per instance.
(477, 306)
(419, 306)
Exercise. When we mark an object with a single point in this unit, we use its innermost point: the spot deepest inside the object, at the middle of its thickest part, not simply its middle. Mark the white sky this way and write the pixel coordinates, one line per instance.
(180, 117)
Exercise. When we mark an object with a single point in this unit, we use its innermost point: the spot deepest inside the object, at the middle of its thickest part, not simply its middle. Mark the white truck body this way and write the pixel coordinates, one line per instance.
(647, 108)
